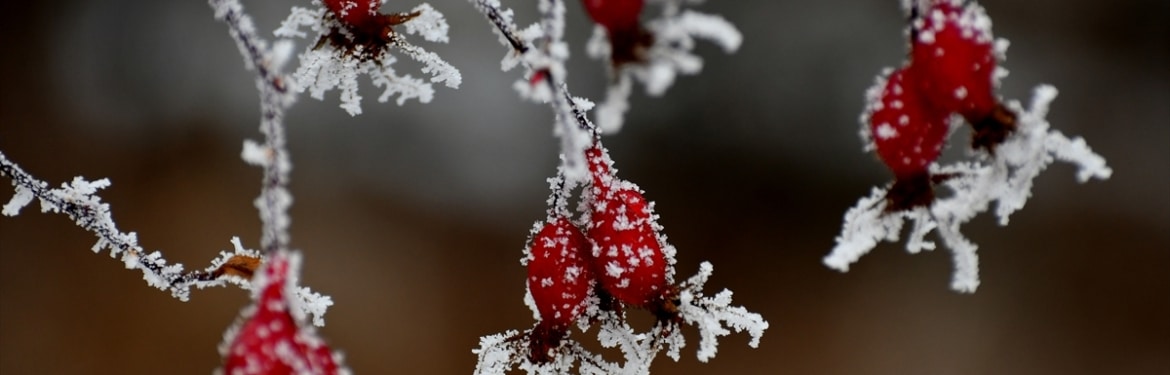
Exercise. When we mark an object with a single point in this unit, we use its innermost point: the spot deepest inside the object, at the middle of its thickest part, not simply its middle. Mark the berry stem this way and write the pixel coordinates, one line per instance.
(992, 130)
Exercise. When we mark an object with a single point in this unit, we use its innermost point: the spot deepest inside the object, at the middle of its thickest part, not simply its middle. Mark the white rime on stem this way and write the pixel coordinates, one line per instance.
(272, 155)
(544, 66)
(275, 98)
(78, 200)
(710, 314)
(1004, 178)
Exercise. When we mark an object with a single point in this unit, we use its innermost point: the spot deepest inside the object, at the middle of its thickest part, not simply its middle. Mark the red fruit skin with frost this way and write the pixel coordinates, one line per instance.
(354, 12)
(362, 18)
(615, 15)
(559, 279)
(559, 275)
(620, 19)
(956, 60)
(599, 169)
(907, 133)
(271, 342)
(628, 258)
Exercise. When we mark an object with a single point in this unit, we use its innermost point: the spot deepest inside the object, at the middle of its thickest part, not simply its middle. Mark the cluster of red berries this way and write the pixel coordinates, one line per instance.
(618, 257)
(627, 39)
(951, 70)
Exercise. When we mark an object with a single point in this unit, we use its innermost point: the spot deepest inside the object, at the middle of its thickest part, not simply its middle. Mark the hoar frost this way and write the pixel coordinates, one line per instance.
(79, 200)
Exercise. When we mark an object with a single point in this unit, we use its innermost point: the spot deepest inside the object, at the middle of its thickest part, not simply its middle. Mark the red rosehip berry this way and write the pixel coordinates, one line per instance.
(908, 135)
(559, 279)
(952, 50)
(628, 257)
(627, 38)
(600, 169)
(367, 27)
(354, 12)
(271, 341)
(614, 14)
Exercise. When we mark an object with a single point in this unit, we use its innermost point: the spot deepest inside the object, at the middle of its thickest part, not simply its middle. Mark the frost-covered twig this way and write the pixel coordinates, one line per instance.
(272, 155)
(502, 352)
(545, 71)
(78, 200)
(275, 98)
(710, 314)
(638, 349)
(1004, 178)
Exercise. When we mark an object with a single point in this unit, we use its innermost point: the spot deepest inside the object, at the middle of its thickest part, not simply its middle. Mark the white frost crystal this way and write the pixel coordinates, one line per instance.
(22, 198)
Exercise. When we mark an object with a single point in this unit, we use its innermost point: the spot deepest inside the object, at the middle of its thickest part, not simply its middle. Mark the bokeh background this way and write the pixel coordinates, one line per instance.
(413, 218)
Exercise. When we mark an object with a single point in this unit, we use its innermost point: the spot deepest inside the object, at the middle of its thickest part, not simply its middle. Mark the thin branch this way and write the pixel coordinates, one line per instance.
(502, 22)
(545, 65)
(275, 98)
(78, 201)
(507, 29)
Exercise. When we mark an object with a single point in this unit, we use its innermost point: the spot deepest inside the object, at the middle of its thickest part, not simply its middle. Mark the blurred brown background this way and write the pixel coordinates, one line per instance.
(412, 218)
